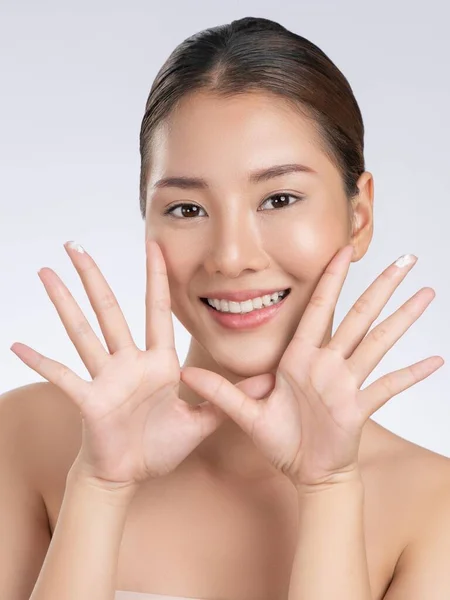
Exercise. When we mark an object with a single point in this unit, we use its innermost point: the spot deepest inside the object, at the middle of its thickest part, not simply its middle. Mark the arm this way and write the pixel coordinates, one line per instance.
(24, 530)
(81, 562)
(330, 559)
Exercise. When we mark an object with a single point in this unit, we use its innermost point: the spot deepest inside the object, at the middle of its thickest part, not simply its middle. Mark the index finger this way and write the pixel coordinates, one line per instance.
(317, 315)
(158, 321)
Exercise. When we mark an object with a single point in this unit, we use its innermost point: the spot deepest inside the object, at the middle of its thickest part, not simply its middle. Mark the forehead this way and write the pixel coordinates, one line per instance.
(208, 134)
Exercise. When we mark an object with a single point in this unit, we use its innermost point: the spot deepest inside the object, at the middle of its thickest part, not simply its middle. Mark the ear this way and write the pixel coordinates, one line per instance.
(362, 216)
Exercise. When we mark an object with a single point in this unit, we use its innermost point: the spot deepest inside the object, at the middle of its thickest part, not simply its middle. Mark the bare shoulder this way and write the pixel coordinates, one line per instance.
(420, 479)
(425, 465)
(416, 477)
(47, 426)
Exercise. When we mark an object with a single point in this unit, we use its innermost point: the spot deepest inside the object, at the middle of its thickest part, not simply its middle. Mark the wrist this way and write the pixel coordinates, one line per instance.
(346, 479)
(111, 492)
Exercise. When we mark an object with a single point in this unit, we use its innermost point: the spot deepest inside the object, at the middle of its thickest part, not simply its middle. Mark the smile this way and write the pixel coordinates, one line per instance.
(246, 320)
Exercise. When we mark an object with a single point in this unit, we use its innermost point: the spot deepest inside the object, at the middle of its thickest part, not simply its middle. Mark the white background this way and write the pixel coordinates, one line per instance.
(74, 80)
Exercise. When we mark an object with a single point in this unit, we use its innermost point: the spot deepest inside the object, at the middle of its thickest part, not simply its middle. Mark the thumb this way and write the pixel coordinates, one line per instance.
(212, 416)
(232, 399)
(258, 386)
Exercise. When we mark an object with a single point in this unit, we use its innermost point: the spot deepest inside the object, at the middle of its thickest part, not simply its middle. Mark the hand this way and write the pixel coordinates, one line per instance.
(310, 426)
(134, 425)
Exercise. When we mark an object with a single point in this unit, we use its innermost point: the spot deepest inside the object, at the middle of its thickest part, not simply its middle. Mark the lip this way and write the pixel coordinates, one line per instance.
(246, 320)
(241, 295)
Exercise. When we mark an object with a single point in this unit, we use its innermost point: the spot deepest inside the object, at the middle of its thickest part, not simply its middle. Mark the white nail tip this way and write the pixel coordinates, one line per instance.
(76, 247)
(405, 260)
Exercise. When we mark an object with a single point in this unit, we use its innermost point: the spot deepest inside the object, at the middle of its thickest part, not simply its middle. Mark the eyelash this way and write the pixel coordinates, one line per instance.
(172, 208)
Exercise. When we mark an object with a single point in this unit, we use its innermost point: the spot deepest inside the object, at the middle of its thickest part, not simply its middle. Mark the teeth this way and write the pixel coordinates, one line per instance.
(247, 305)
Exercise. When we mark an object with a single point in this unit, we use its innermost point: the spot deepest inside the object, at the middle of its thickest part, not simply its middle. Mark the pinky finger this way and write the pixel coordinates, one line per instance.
(53, 371)
(375, 395)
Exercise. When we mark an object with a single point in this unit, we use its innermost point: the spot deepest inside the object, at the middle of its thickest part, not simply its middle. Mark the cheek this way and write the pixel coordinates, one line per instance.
(181, 265)
(306, 247)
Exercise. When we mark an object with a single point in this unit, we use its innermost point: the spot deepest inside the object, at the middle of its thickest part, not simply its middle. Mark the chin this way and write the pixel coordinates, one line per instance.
(241, 365)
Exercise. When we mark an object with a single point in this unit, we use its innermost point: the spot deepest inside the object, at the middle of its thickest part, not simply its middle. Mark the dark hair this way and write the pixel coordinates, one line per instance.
(255, 54)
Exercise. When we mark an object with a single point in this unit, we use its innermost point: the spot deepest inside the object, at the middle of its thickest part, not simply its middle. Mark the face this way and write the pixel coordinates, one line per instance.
(233, 234)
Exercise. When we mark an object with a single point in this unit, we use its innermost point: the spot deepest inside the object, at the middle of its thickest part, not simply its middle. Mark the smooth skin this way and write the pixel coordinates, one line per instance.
(131, 409)
(310, 426)
(240, 241)
(240, 236)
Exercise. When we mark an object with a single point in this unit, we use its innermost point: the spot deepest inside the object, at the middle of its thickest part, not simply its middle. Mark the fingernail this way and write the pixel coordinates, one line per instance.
(74, 246)
(405, 260)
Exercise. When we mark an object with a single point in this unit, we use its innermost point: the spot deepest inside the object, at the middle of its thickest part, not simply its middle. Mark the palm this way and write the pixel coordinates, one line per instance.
(144, 426)
(311, 424)
(134, 424)
(312, 408)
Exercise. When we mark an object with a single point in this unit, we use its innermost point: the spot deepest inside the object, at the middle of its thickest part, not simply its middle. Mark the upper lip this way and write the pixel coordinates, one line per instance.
(241, 295)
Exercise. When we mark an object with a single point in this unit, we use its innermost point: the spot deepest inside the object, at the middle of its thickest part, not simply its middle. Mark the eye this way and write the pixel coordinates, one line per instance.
(193, 209)
(183, 205)
(283, 195)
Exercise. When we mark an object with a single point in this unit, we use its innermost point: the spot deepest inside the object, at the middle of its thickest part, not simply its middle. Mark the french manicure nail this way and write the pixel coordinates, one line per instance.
(74, 246)
(405, 260)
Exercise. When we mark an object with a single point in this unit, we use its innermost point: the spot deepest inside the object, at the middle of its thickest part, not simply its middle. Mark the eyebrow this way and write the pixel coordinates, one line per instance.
(187, 183)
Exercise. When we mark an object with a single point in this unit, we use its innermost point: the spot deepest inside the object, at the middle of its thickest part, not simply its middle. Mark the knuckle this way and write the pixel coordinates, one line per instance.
(107, 302)
(81, 329)
(413, 372)
(61, 293)
(162, 304)
(63, 372)
(411, 308)
(387, 383)
(361, 306)
(318, 300)
(220, 386)
(88, 266)
(388, 274)
(379, 333)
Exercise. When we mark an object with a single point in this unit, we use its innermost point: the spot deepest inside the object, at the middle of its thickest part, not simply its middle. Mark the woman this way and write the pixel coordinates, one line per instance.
(256, 472)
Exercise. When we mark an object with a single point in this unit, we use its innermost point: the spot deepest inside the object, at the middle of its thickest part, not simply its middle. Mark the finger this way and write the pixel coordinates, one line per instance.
(209, 416)
(314, 322)
(381, 339)
(158, 323)
(110, 317)
(379, 392)
(87, 344)
(221, 392)
(258, 386)
(55, 372)
(368, 307)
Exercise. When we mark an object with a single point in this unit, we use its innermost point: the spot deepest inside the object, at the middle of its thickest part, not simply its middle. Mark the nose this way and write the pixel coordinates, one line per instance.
(235, 245)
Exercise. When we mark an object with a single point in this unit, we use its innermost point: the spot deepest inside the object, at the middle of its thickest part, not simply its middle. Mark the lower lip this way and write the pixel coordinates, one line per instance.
(246, 320)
